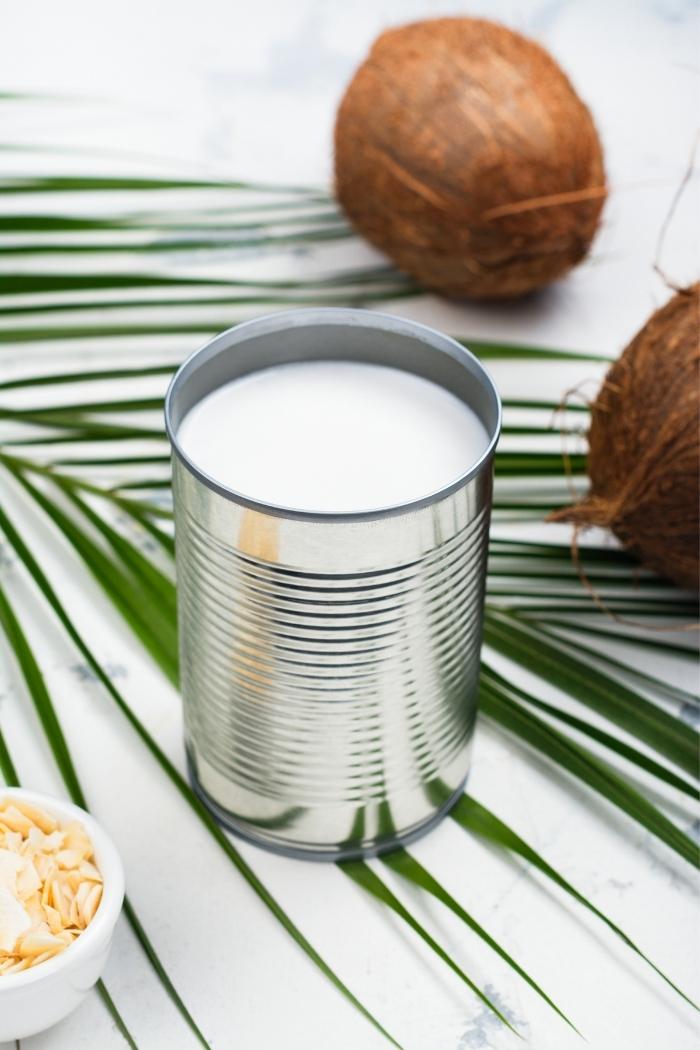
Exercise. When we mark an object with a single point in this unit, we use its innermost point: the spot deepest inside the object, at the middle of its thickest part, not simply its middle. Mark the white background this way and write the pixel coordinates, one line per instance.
(249, 90)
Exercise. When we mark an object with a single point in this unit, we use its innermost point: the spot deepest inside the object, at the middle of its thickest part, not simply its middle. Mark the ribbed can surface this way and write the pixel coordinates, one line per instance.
(329, 664)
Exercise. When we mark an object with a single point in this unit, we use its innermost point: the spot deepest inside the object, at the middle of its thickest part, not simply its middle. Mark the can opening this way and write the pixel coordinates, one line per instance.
(330, 334)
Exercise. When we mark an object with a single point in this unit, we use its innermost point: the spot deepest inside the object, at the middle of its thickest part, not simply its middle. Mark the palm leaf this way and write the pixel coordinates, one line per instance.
(531, 585)
(7, 769)
(476, 818)
(558, 664)
(102, 183)
(498, 703)
(643, 678)
(123, 547)
(364, 876)
(149, 621)
(115, 1015)
(119, 547)
(622, 633)
(406, 865)
(638, 758)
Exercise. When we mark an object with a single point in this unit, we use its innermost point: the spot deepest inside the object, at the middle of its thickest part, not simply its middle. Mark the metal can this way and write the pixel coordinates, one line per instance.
(329, 663)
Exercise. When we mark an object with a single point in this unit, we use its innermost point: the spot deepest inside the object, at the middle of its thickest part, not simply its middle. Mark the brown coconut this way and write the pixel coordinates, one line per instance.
(463, 152)
(644, 445)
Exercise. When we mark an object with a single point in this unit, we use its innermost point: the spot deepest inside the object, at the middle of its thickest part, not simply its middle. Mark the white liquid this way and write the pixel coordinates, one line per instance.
(332, 436)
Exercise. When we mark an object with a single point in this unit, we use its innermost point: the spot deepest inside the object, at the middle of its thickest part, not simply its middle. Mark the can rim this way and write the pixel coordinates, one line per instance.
(377, 320)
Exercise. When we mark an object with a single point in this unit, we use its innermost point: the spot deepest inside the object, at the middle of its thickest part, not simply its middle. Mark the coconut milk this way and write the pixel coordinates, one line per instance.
(332, 436)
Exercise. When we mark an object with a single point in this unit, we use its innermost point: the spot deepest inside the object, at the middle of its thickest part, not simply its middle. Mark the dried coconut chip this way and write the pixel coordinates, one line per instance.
(10, 866)
(14, 920)
(44, 821)
(15, 820)
(50, 889)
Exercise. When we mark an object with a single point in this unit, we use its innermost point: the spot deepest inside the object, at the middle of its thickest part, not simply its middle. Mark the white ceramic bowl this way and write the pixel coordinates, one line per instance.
(34, 999)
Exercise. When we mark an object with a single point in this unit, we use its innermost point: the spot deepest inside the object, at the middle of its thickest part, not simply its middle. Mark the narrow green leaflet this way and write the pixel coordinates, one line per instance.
(115, 1015)
(7, 769)
(354, 289)
(37, 282)
(650, 681)
(675, 613)
(496, 351)
(266, 238)
(87, 429)
(559, 665)
(557, 550)
(160, 589)
(474, 817)
(52, 379)
(609, 741)
(38, 692)
(112, 461)
(152, 623)
(535, 464)
(611, 630)
(100, 183)
(362, 874)
(134, 508)
(406, 865)
(498, 705)
(142, 404)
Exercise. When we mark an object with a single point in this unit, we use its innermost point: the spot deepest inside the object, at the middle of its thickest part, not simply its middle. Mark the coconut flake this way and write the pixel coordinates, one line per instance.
(14, 920)
(28, 881)
(10, 865)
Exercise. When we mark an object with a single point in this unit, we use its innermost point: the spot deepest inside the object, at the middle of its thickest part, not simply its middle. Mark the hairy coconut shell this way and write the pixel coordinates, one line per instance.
(644, 445)
(463, 152)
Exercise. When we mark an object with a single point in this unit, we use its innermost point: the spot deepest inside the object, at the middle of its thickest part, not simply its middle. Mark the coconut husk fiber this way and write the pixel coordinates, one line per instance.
(644, 445)
(463, 153)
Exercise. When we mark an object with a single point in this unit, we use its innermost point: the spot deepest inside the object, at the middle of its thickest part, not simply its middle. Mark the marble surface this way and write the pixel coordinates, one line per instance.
(250, 90)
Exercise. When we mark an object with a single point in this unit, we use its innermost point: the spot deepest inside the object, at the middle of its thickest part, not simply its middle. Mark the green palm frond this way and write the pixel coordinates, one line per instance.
(498, 702)
(107, 999)
(476, 818)
(406, 865)
(556, 662)
(94, 469)
(362, 874)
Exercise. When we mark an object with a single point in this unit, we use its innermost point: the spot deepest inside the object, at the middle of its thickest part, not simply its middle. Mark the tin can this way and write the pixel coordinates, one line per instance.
(329, 663)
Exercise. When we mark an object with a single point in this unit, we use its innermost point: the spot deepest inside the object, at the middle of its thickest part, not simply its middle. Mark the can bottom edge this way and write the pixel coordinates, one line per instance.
(300, 851)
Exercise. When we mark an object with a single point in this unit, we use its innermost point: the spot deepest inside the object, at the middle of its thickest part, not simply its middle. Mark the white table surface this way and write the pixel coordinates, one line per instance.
(249, 90)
